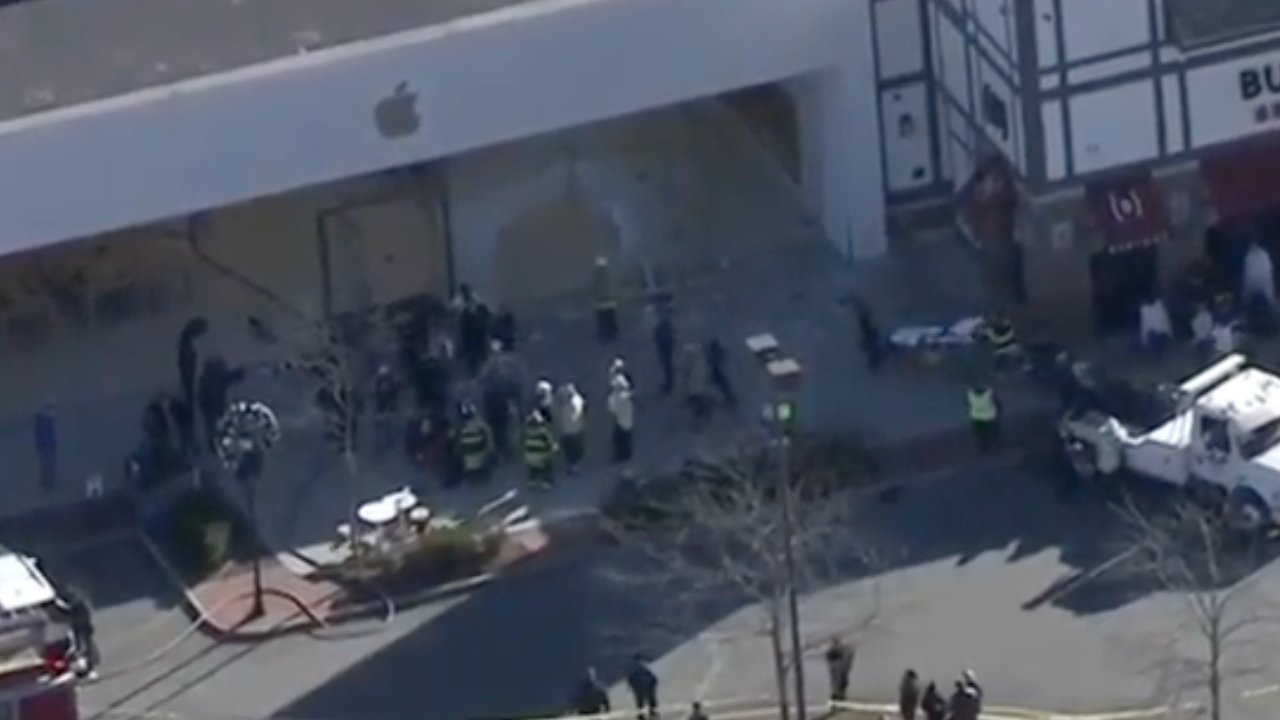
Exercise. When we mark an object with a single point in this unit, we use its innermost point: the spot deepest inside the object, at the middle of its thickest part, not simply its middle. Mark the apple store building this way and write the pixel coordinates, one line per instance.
(349, 159)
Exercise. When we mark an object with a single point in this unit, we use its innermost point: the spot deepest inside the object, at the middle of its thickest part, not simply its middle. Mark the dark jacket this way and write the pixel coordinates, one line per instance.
(590, 698)
(664, 335)
(641, 679)
(933, 704)
(215, 383)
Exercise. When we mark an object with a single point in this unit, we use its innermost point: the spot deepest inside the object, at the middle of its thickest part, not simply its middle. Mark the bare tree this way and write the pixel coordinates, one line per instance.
(1188, 552)
(713, 540)
(319, 353)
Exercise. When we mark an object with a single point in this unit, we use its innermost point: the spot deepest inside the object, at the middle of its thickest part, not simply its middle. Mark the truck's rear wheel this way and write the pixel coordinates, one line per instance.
(1082, 458)
(1248, 513)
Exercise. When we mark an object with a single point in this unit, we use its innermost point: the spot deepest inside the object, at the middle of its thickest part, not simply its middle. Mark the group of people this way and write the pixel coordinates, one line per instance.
(496, 406)
(1211, 311)
(590, 697)
(965, 702)
(179, 426)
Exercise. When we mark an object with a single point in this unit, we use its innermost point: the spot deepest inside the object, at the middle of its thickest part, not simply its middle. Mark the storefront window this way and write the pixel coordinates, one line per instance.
(1199, 22)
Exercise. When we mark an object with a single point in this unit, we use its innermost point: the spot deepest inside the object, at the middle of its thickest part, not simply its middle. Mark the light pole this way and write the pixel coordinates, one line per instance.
(784, 373)
(248, 471)
(244, 434)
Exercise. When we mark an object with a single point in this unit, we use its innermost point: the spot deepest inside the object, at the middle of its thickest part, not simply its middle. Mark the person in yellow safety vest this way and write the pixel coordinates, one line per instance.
(474, 443)
(539, 449)
(1000, 335)
(984, 416)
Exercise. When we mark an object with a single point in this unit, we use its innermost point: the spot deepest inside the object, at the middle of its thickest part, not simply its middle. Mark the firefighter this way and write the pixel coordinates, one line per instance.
(539, 449)
(1002, 338)
(473, 443)
(984, 416)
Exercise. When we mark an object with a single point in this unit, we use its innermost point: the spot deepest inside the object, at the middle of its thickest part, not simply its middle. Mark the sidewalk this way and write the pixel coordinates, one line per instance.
(911, 416)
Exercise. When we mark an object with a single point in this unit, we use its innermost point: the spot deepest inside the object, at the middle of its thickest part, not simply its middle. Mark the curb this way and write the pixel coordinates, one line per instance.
(572, 527)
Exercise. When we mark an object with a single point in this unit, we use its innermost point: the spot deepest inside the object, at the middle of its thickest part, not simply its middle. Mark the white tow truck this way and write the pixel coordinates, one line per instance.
(1220, 440)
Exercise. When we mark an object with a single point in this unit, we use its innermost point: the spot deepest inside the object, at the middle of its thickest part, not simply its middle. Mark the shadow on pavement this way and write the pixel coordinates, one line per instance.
(95, 548)
(515, 648)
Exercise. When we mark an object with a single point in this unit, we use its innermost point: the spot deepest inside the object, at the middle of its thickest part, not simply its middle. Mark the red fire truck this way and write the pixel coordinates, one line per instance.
(38, 668)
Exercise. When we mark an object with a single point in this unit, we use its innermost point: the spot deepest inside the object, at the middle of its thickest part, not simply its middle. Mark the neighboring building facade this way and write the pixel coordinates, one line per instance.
(1097, 147)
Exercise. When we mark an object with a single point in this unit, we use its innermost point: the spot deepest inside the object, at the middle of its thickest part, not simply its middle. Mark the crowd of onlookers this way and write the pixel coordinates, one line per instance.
(590, 697)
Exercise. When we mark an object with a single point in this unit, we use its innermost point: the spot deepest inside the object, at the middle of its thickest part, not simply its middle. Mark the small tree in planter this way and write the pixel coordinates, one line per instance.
(244, 435)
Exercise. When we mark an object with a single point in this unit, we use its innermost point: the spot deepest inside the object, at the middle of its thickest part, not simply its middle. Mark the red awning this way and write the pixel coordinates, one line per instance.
(1243, 182)
(1131, 210)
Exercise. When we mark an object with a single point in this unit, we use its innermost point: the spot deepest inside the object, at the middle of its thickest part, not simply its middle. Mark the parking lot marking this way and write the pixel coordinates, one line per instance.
(1062, 588)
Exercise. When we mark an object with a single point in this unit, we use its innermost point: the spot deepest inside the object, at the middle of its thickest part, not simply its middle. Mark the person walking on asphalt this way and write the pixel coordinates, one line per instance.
(839, 657)
(716, 358)
(188, 363)
(644, 687)
(909, 695)
(45, 431)
(664, 343)
(589, 696)
(932, 704)
(216, 380)
(984, 416)
(696, 712)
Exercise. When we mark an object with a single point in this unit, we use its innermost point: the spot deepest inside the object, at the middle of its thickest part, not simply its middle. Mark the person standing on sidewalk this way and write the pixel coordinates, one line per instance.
(570, 421)
(622, 410)
(216, 380)
(544, 399)
(589, 696)
(664, 344)
(909, 695)
(932, 704)
(189, 363)
(717, 356)
(869, 338)
(539, 450)
(984, 416)
(46, 443)
(386, 406)
(839, 657)
(606, 300)
(473, 320)
(644, 688)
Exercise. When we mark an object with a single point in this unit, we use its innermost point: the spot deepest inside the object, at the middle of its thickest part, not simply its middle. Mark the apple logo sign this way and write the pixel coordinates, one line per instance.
(396, 115)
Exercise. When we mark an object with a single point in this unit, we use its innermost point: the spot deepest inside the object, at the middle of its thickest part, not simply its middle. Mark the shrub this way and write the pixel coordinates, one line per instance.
(201, 531)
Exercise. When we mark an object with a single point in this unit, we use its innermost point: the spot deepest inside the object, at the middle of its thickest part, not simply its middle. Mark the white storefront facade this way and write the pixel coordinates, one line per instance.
(1128, 128)
(468, 83)
(119, 199)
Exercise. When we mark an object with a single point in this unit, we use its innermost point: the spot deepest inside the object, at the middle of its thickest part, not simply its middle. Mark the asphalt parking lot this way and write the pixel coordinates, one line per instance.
(137, 605)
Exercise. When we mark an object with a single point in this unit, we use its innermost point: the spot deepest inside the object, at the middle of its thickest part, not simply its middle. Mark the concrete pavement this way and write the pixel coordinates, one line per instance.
(971, 553)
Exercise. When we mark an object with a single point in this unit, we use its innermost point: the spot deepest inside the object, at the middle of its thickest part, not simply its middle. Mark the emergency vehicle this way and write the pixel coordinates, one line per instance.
(1219, 440)
(38, 668)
